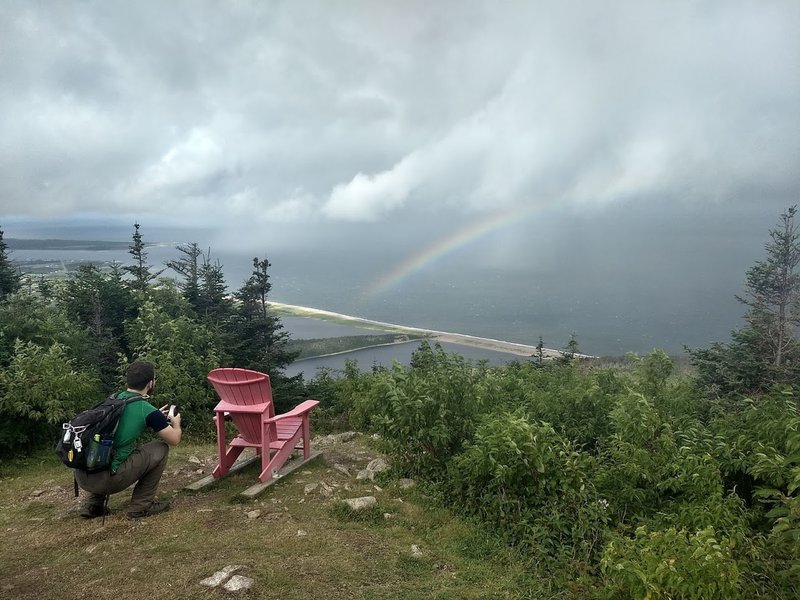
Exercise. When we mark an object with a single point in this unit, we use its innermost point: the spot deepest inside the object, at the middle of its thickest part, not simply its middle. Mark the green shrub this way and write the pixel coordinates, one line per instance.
(425, 414)
(577, 404)
(670, 564)
(529, 483)
(184, 352)
(338, 397)
(40, 390)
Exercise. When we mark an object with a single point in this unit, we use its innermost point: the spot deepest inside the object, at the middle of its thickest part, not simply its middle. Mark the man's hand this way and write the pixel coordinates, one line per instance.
(174, 420)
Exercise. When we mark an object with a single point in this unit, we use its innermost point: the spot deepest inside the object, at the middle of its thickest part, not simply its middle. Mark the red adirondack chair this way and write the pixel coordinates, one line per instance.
(246, 396)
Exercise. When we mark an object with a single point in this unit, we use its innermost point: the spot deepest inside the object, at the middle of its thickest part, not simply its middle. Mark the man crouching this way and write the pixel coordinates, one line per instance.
(142, 465)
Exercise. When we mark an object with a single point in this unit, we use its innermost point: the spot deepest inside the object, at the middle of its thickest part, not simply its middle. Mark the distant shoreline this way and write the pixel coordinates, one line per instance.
(442, 336)
(72, 245)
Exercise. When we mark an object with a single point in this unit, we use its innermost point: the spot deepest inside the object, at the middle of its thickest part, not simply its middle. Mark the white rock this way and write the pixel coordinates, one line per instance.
(310, 488)
(335, 438)
(220, 576)
(254, 514)
(415, 550)
(342, 469)
(407, 483)
(195, 461)
(237, 583)
(301, 533)
(37, 493)
(387, 516)
(363, 475)
(378, 465)
(361, 503)
(378, 488)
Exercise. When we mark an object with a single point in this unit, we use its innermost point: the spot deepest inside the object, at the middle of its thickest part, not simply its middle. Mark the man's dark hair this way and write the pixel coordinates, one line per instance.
(140, 373)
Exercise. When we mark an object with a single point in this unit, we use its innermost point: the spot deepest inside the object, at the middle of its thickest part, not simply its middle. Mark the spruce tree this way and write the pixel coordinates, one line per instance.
(262, 341)
(571, 349)
(540, 352)
(772, 292)
(140, 269)
(10, 279)
(214, 306)
(188, 266)
(766, 350)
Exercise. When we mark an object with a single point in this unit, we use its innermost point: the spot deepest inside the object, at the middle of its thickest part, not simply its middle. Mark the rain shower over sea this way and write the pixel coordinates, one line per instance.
(499, 278)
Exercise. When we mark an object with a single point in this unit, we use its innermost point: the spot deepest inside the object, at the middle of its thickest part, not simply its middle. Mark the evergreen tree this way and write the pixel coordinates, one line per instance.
(188, 266)
(773, 292)
(140, 271)
(571, 349)
(766, 350)
(214, 306)
(261, 339)
(9, 276)
(31, 317)
(100, 303)
(540, 352)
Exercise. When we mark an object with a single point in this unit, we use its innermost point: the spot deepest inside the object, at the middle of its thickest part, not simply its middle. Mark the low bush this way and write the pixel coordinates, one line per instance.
(670, 564)
(40, 390)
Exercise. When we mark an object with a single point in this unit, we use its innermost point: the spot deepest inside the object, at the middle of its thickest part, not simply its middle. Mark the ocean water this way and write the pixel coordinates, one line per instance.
(385, 356)
(614, 294)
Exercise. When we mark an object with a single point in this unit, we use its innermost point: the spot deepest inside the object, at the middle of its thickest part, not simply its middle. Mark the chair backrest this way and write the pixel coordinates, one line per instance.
(244, 387)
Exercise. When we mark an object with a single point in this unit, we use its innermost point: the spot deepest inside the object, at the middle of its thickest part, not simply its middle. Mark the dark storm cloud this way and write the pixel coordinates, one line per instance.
(317, 112)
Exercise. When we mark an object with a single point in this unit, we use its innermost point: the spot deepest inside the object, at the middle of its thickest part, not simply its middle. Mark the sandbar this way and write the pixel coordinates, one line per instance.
(443, 336)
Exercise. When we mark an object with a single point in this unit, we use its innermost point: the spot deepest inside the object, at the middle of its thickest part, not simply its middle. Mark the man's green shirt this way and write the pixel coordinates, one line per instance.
(132, 424)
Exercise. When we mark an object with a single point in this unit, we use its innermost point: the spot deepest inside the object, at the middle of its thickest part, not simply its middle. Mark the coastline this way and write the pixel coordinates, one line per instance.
(443, 336)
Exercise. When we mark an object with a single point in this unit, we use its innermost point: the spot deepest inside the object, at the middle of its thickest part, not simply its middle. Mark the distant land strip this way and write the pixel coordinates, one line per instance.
(442, 336)
(58, 244)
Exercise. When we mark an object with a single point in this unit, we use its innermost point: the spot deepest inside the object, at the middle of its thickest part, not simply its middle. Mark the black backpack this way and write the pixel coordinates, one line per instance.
(88, 438)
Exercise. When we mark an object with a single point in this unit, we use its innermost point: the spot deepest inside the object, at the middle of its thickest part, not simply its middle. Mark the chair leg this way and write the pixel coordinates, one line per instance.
(226, 457)
(278, 460)
(306, 437)
(264, 450)
(226, 461)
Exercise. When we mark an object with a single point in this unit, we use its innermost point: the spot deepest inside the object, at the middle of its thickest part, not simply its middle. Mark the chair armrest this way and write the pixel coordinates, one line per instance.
(257, 380)
(297, 411)
(223, 406)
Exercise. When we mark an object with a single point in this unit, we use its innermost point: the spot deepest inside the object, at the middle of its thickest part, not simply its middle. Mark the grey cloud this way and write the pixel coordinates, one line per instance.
(280, 112)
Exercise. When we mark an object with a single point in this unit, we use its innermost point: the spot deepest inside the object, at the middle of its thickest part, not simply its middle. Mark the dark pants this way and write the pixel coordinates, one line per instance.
(144, 467)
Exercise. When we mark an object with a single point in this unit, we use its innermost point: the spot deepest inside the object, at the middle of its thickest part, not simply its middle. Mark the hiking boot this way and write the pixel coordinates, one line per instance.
(156, 506)
(92, 511)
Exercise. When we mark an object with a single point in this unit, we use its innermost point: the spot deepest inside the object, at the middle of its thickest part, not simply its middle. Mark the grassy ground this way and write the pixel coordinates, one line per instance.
(312, 348)
(300, 545)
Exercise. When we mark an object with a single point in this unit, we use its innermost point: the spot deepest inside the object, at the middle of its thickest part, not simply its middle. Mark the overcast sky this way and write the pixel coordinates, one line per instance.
(327, 112)
(597, 153)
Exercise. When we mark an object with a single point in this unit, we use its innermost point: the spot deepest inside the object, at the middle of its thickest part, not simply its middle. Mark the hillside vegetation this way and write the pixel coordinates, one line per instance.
(626, 481)
(308, 348)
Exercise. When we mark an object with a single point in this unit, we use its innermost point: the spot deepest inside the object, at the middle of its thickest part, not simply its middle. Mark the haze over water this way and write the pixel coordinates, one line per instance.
(502, 169)
(617, 294)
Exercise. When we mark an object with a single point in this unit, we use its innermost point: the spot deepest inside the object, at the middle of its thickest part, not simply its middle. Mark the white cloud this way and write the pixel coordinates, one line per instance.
(299, 112)
(188, 165)
(368, 197)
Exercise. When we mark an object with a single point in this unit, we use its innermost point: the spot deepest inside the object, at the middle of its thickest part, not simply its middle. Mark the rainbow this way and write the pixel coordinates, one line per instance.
(441, 248)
